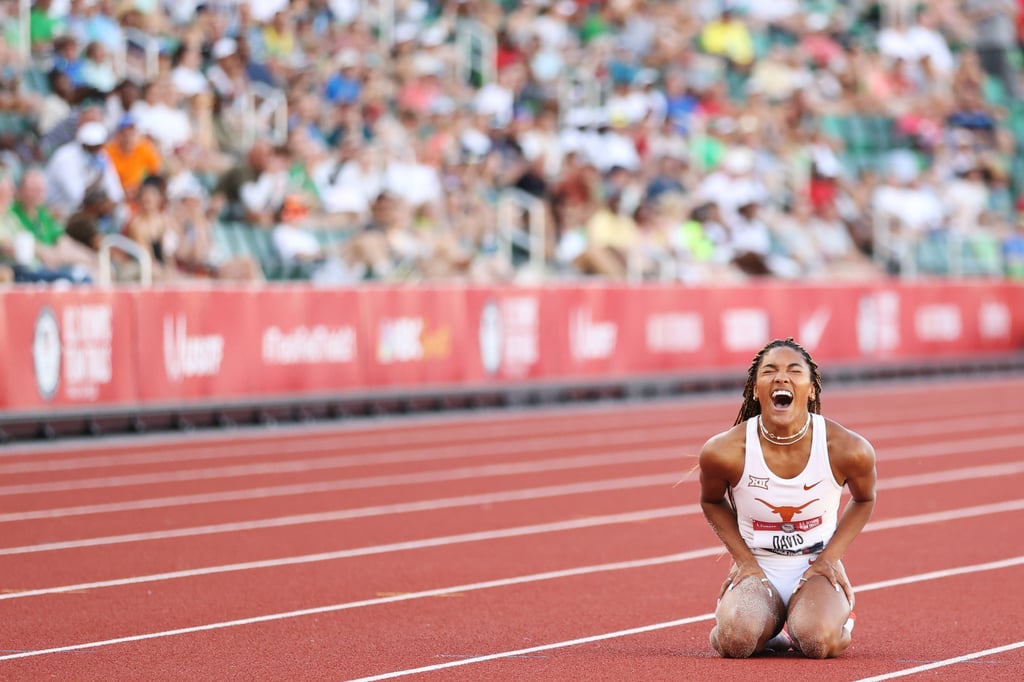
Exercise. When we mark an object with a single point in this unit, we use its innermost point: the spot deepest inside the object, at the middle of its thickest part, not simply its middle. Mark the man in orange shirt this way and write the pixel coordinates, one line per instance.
(134, 157)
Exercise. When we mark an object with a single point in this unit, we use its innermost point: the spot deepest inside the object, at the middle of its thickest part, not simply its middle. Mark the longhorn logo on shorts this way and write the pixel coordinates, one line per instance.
(787, 513)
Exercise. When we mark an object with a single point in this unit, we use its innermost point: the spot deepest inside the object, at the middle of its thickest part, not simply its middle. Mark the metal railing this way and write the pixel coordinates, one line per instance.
(580, 88)
(150, 47)
(477, 52)
(265, 110)
(513, 205)
(125, 245)
(937, 252)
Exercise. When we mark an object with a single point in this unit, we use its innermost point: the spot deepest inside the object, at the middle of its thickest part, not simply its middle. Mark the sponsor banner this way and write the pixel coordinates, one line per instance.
(672, 328)
(86, 347)
(66, 348)
(590, 336)
(196, 344)
(504, 329)
(307, 340)
(413, 337)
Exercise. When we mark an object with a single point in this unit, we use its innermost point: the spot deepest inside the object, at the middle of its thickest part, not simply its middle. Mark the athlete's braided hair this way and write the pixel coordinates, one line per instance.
(752, 408)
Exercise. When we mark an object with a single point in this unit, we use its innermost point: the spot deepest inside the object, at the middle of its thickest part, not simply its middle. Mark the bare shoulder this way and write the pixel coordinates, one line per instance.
(851, 453)
(723, 454)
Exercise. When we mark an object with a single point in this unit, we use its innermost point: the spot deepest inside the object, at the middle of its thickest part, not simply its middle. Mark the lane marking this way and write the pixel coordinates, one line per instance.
(443, 541)
(341, 441)
(514, 447)
(282, 438)
(463, 473)
(921, 577)
(470, 442)
(490, 470)
(582, 488)
(945, 662)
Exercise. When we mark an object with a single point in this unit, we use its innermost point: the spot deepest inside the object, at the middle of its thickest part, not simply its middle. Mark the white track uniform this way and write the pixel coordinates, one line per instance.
(786, 521)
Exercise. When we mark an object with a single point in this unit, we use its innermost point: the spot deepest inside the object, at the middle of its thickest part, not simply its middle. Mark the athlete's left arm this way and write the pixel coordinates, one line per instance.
(854, 462)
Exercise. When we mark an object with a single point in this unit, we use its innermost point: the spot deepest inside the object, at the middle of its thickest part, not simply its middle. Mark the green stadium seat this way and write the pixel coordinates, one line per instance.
(14, 124)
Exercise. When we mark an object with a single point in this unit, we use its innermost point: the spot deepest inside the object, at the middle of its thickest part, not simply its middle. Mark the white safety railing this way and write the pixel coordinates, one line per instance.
(265, 113)
(150, 46)
(125, 245)
(513, 206)
(638, 258)
(24, 32)
(477, 52)
(383, 16)
(944, 253)
(579, 88)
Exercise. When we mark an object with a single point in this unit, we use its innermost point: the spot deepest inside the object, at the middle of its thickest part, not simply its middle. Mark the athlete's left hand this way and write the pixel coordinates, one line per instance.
(833, 571)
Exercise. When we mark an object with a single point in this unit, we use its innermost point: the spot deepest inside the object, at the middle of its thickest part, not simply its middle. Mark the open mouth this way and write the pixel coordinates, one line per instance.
(782, 398)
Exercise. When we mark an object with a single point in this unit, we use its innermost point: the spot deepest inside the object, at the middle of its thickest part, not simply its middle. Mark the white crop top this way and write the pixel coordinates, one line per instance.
(787, 516)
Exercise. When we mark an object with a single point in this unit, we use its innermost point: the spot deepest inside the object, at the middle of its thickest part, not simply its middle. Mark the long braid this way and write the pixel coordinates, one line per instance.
(752, 408)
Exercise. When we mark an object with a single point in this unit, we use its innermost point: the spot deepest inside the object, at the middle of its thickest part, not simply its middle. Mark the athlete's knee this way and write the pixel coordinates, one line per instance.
(816, 642)
(736, 638)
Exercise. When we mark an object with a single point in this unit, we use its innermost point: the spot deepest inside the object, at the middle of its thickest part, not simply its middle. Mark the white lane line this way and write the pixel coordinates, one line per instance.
(342, 440)
(402, 429)
(932, 575)
(443, 541)
(436, 476)
(921, 577)
(412, 428)
(945, 662)
(458, 444)
(582, 488)
(638, 438)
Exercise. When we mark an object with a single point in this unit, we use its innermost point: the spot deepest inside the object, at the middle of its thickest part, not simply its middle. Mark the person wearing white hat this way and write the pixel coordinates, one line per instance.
(78, 166)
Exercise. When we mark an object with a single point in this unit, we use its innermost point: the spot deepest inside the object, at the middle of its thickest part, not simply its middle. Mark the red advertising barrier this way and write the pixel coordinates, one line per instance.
(81, 348)
(67, 347)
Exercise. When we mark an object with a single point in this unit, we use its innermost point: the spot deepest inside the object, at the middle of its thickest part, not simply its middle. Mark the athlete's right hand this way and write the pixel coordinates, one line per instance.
(739, 572)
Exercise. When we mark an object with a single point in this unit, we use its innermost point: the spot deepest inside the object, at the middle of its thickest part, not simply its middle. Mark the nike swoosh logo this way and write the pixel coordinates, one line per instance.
(808, 487)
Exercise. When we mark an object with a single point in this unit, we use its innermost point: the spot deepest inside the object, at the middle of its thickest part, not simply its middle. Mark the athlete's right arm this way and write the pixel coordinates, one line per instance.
(721, 465)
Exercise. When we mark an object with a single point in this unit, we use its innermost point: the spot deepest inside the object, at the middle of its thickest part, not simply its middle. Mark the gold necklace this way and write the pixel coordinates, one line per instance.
(783, 440)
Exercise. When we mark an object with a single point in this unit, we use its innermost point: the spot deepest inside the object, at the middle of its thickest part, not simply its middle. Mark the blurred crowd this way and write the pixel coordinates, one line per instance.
(514, 140)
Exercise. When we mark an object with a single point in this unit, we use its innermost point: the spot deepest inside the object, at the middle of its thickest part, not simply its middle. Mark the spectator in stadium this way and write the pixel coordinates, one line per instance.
(43, 27)
(754, 483)
(1013, 251)
(610, 236)
(198, 252)
(728, 36)
(187, 76)
(54, 255)
(11, 232)
(255, 191)
(93, 220)
(88, 107)
(161, 115)
(56, 104)
(97, 70)
(79, 165)
(154, 228)
(134, 156)
(995, 36)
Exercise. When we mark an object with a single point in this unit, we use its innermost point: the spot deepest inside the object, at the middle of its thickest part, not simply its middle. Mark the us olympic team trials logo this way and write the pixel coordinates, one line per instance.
(46, 353)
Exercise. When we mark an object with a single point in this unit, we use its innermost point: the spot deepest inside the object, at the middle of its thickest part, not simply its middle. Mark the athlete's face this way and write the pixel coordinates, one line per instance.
(784, 386)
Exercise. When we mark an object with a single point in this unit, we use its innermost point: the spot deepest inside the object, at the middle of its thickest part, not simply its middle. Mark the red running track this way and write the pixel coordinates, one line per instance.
(563, 544)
